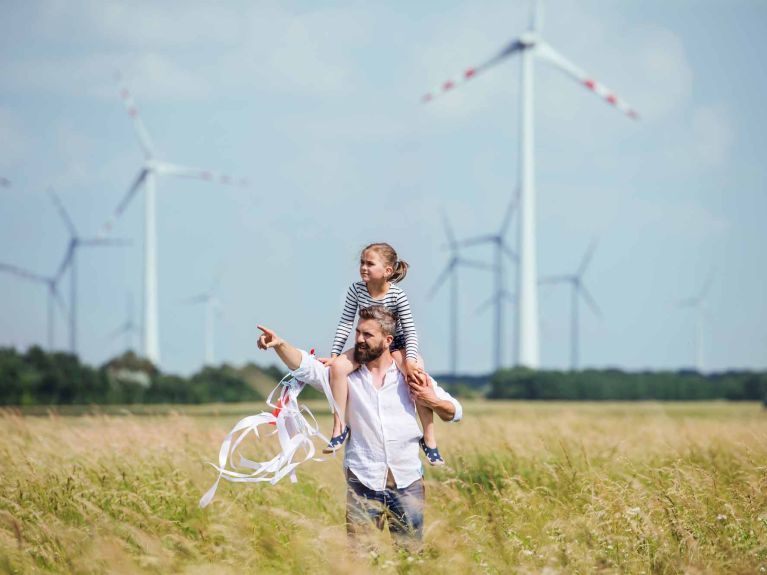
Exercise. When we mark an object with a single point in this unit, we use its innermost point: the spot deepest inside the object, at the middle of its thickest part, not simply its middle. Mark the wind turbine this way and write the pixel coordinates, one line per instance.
(70, 262)
(151, 168)
(212, 308)
(54, 297)
(451, 270)
(128, 327)
(500, 249)
(531, 45)
(578, 289)
(698, 303)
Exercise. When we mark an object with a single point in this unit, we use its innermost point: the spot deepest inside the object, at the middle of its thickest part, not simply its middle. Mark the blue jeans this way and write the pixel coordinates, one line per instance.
(401, 508)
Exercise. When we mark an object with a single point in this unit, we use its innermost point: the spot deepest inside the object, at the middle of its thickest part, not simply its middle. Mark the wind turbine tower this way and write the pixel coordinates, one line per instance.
(578, 290)
(699, 305)
(531, 46)
(500, 250)
(128, 328)
(70, 261)
(54, 297)
(451, 270)
(212, 308)
(151, 168)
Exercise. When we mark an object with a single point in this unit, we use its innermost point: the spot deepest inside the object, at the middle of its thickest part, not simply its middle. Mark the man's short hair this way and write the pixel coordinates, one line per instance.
(385, 318)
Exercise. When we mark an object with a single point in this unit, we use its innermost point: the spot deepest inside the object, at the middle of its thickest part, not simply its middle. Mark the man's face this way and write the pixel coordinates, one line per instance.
(370, 341)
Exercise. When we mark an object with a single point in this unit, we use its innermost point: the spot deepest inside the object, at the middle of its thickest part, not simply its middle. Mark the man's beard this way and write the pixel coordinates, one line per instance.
(364, 354)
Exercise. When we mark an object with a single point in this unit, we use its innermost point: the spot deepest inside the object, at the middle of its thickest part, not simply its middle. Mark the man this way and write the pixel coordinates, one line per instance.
(384, 475)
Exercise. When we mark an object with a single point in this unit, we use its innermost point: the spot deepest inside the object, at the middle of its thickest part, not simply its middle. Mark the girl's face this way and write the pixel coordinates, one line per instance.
(373, 267)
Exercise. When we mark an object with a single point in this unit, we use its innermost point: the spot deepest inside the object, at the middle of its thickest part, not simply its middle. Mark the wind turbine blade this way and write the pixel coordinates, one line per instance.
(200, 174)
(441, 278)
(689, 302)
(22, 273)
(138, 124)
(448, 229)
(63, 213)
(117, 332)
(477, 240)
(59, 300)
(511, 254)
(484, 305)
(706, 286)
(509, 297)
(589, 300)
(474, 264)
(105, 242)
(470, 73)
(507, 217)
(558, 279)
(586, 258)
(66, 261)
(202, 298)
(109, 224)
(548, 53)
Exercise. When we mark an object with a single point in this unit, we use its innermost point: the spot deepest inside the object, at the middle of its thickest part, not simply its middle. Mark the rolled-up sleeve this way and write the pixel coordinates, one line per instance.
(312, 372)
(444, 395)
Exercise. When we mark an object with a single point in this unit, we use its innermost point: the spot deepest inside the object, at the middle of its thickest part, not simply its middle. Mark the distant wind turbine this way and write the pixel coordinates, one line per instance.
(531, 45)
(699, 305)
(128, 328)
(500, 294)
(70, 262)
(212, 308)
(54, 297)
(578, 289)
(151, 168)
(451, 271)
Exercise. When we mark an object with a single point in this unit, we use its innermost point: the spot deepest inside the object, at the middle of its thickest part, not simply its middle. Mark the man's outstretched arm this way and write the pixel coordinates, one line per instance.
(289, 355)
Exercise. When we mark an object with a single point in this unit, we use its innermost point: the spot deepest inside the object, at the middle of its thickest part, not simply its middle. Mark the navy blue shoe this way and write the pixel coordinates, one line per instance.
(337, 441)
(432, 453)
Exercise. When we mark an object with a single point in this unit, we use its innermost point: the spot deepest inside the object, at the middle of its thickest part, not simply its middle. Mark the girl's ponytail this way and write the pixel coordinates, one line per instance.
(400, 271)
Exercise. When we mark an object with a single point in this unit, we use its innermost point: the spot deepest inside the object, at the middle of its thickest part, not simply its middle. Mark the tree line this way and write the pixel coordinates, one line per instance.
(618, 385)
(36, 377)
(40, 378)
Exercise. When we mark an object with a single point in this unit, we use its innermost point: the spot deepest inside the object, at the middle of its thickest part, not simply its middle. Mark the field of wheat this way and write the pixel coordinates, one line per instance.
(529, 488)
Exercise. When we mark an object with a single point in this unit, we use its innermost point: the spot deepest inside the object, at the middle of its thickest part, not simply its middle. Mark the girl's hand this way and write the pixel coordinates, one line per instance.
(412, 371)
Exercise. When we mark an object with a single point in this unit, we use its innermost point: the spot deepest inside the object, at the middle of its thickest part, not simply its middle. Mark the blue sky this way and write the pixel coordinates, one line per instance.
(318, 105)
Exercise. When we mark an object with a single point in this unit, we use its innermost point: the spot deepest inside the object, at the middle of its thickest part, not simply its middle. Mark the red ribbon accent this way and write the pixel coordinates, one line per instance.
(280, 405)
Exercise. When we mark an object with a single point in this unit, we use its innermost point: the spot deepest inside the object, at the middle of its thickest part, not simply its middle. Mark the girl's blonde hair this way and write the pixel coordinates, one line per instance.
(389, 257)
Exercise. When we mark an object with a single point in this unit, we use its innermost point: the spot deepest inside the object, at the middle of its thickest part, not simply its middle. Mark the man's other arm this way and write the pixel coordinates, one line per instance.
(426, 391)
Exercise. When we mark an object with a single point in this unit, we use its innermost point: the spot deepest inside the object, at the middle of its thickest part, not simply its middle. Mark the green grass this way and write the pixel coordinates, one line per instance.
(529, 488)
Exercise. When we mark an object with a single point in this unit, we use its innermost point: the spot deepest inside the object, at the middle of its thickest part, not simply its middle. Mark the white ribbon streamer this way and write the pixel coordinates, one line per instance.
(294, 431)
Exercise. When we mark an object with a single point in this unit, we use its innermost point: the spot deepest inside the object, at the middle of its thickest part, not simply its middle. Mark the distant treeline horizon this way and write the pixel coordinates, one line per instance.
(37, 377)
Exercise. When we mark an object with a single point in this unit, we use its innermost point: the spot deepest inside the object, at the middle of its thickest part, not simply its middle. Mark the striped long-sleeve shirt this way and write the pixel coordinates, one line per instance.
(395, 300)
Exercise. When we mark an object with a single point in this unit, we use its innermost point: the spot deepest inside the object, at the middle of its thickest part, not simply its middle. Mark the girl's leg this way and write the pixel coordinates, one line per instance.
(339, 385)
(425, 414)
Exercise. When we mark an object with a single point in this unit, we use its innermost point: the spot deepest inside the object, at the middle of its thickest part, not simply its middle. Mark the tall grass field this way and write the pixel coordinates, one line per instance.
(528, 488)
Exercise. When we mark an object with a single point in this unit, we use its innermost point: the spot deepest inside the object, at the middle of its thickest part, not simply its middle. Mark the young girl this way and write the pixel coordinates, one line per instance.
(380, 270)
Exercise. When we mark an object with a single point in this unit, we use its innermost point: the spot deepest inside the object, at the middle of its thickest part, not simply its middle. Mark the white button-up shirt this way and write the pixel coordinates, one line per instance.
(384, 432)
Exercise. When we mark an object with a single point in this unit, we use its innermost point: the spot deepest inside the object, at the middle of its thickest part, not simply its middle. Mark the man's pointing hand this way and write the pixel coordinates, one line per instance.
(268, 338)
